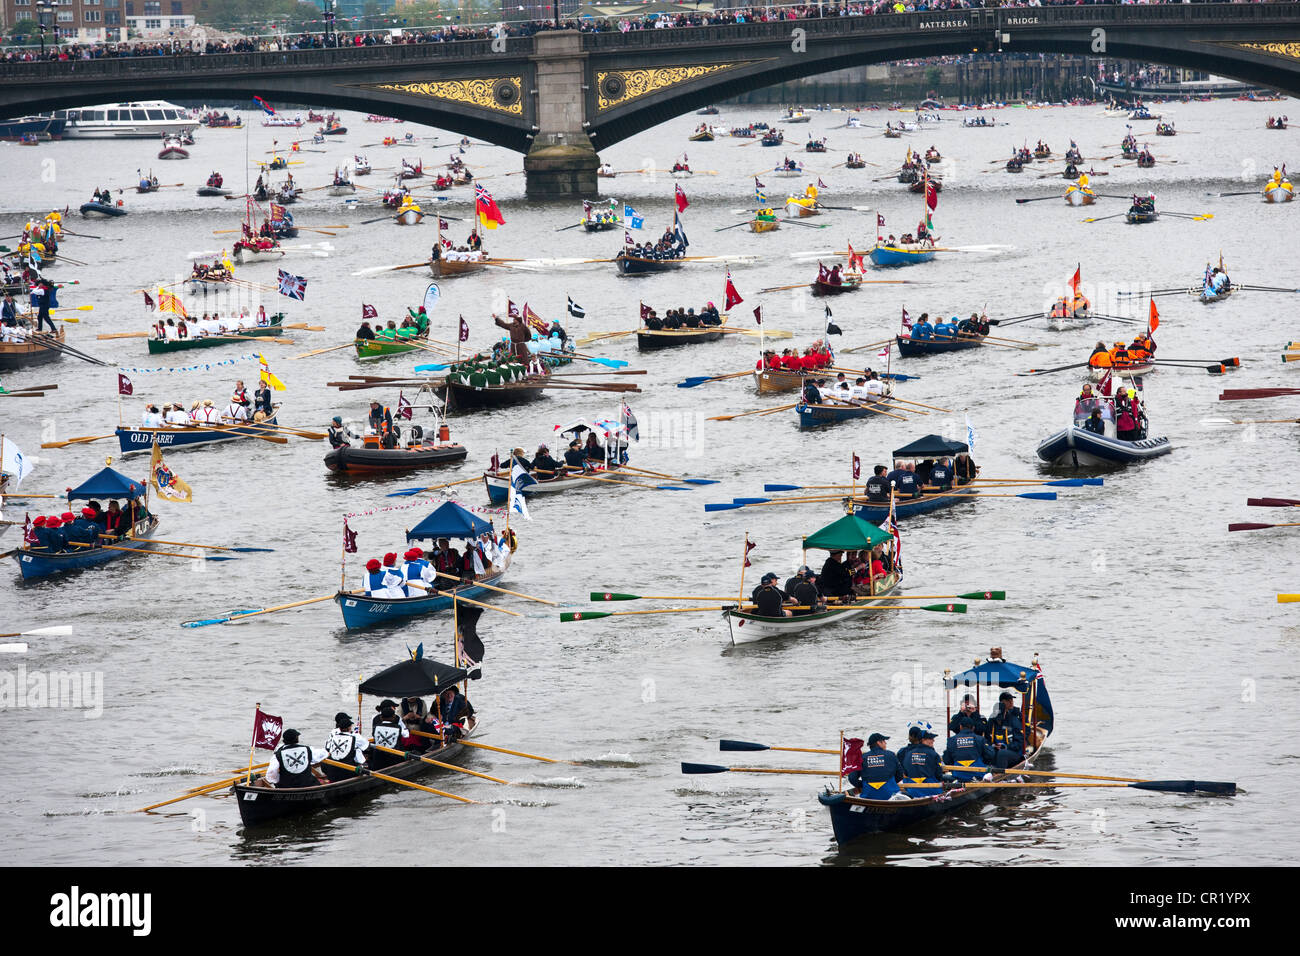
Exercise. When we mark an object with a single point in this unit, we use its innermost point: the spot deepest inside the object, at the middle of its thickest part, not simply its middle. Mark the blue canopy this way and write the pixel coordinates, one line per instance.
(1006, 674)
(449, 521)
(108, 484)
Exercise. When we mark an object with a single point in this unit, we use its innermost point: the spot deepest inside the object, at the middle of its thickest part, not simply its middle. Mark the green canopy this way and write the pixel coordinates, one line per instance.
(850, 533)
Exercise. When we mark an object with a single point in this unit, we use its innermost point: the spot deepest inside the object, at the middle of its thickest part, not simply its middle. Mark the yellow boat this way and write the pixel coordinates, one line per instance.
(1080, 193)
(1278, 188)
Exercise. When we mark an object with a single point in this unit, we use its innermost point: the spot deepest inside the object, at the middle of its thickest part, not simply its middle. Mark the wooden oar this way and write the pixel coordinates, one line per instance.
(1048, 371)
(335, 348)
(747, 746)
(407, 492)
(656, 474)
(243, 615)
(187, 544)
(500, 750)
(227, 429)
(243, 773)
(397, 780)
(121, 335)
(1208, 786)
(75, 441)
(756, 411)
(439, 763)
(465, 600)
(1288, 599)
(492, 587)
(200, 791)
(1253, 526)
(305, 327)
(1273, 502)
(615, 481)
(1163, 786)
(163, 554)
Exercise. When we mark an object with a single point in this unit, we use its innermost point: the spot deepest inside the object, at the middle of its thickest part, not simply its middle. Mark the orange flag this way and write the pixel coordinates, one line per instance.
(1074, 281)
(1153, 322)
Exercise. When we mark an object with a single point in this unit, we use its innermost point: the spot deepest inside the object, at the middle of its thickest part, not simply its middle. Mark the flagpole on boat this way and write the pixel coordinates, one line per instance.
(257, 709)
(343, 557)
(744, 560)
(841, 761)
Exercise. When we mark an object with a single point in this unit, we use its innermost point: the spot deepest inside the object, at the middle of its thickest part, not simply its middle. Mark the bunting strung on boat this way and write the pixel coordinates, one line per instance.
(164, 480)
(424, 503)
(203, 367)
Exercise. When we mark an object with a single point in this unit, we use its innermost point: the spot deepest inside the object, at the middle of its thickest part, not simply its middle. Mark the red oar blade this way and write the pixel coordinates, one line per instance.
(1249, 526)
(1273, 502)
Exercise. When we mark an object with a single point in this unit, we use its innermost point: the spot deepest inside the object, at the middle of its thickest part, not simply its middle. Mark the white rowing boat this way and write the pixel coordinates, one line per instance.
(749, 628)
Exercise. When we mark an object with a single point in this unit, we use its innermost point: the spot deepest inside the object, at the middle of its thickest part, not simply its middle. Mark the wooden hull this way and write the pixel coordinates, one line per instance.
(801, 210)
(600, 225)
(778, 380)
(819, 416)
(447, 268)
(763, 225)
(243, 254)
(159, 347)
(21, 354)
(821, 288)
(649, 340)
(632, 266)
(360, 611)
(1281, 193)
(467, 398)
(747, 628)
(34, 564)
(369, 461)
(911, 507)
(139, 441)
(702, 138)
(910, 348)
(408, 217)
(1075, 196)
(261, 805)
(1075, 446)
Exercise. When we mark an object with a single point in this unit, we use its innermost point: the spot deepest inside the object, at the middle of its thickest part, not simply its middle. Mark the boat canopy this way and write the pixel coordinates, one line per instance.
(450, 520)
(931, 446)
(108, 484)
(1006, 674)
(850, 533)
(413, 678)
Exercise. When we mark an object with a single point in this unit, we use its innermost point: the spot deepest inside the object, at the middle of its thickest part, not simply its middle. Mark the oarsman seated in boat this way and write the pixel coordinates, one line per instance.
(807, 596)
(1100, 357)
(417, 574)
(921, 763)
(913, 742)
(794, 581)
(454, 715)
(946, 330)
(292, 765)
(941, 475)
(81, 533)
(546, 466)
(903, 480)
(878, 484)
(575, 459)
(768, 598)
(236, 412)
(880, 773)
(387, 730)
(967, 748)
(969, 711)
(922, 329)
(345, 746)
(835, 581)
(1005, 731)
(1218, 281)
(383, 581)
(152, 417)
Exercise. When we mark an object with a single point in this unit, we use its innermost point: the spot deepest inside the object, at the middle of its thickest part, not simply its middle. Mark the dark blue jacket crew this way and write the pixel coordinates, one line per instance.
(969, 749)
(921, 765)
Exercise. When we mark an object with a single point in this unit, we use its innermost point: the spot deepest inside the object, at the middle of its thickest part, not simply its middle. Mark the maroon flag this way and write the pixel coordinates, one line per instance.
(880, 221)
(369, 312)
(512, 310)
(680, 196)
(267, 729)
(29, 533)
(495, 464)
(851, 757)
(646, 312)
(820, 184)
(404, 409)
(907, 321)
(124, 385)
(442, 223)
(149, 302)
(749, 546)
(857, 467)
(758, 315)
(464, 329)
(349, 539)
(733, 297)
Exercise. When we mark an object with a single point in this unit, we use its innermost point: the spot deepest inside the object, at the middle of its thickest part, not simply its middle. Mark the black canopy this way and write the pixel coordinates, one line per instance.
(413, 678)
(931, 446)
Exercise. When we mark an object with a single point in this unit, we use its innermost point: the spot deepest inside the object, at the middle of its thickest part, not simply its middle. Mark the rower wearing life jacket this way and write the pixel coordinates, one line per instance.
(880, 772)
(1119, 356)
(1100, 357)
(345, 746)
(291, 764)
(967, 748)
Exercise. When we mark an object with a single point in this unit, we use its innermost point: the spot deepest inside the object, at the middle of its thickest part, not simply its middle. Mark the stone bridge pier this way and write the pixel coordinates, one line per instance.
(561, 161)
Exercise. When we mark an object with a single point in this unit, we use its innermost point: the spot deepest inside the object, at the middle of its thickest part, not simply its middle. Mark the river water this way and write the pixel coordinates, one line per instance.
(1163, 645)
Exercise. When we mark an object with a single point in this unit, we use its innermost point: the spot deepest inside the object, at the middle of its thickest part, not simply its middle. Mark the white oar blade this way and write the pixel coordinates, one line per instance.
(59, 630)
(13, 648)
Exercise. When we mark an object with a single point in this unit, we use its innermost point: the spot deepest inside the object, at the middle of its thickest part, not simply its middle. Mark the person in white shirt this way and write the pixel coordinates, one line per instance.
(875, 387)
(152, 418)
(208, 413)
(196, 412)
(858, 392)
(345, 746)
(291, 764)
(235, 412)
(177, 415)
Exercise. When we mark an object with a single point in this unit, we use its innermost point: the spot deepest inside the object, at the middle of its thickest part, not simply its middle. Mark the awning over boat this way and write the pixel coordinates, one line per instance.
(413, 678)
(108, 484)
(449, 521)
(850, 533)
(931, 446)
(1006, 674)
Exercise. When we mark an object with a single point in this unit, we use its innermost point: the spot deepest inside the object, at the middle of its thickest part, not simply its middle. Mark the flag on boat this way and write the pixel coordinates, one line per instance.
(890, 524)
(404, 407)
(265, 375)
(170, 303)
(464, 330)
(149, 303)
(277, 211)
(857, 467)
(369, 312)
(931, 196)
(512, 310)
(516, 504)
(856, 260)
(679, 233)
(267, 730)
(1153, 320)
(631, 218)
(269, 111)
(164, 480)
(971, 433)
(646, 312)
(29, 533)
(820, 184)
(679, 196)
(823, 274)
(13, 462)
(124, 386)
(629, 423)
(575, 310)
(1105, 386)
(831, 327)
(758, 315)
(907, 322)
(749, 546)
(349, 539)
(759, 196)
(495, 464)
(1075, 279)
(485, 208)
(627, 238)
(884, 353)
(535, 320)
(851, 756)
(733, 297)
(295, 287)
(431, 296)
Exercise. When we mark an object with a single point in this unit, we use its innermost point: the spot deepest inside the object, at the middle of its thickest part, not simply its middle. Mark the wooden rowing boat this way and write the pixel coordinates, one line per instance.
(1140, 368)
(749, 628)
(31, 351)
(161, 346)
(819, 416)
(497, 484)
(139, 441)
(377, 348)
(764, 225)
(444, 268)
(34, 563)
(635, 265)
(912, 348)
(651, 339)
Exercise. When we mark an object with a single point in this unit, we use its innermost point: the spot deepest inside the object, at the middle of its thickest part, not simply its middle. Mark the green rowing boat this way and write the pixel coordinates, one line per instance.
(382, 348)
(159, 346)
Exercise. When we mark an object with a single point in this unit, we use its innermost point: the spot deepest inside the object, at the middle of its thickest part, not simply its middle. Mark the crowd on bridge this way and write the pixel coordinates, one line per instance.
(275, 43)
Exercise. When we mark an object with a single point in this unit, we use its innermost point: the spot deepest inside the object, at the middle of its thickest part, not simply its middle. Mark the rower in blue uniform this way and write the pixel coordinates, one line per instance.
(878, 485)
(941, 475)
(923, 329)
(1005, 731)
(913, 741)
(967, 748)
(945, 330)
(879, 775)
(904, 481)
(922, 762)
(968, 710)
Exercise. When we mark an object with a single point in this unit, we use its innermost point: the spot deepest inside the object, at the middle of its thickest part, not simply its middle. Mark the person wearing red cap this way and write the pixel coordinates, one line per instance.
(39, 532)
(383, 579)
(81, 533)
(55, 541)
(416, 569)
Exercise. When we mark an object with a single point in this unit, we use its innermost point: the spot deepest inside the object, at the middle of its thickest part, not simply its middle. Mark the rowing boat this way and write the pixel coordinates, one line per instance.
(749, 628)
(849, 282)
(853, 817)
(818, 416)
(369, 349)
(497, 484)
(139, 441)
(1137, 216)
(418, 677)
(897, 254)
(636, 265)
(652, 339)
(929, 446)
(911, 348)
(449, 265)
(1141, 368)
(160, 346)
(764, 225)
(1278, 190)
(32, 352)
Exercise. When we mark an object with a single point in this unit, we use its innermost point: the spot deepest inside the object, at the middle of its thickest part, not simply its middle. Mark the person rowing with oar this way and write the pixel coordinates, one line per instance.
(292, 765)
(879, 774)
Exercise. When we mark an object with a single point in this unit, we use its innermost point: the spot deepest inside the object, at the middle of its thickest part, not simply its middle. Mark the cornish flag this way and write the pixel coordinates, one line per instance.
(267, 729)
(295, 287)
(575, 310)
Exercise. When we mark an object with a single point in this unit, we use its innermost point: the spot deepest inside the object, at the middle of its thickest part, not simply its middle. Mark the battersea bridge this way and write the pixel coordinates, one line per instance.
(561, 96)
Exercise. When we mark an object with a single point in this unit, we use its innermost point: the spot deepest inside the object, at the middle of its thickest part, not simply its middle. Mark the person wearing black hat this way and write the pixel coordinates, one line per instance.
(1005, 731)
(387, 730)
(921, 765)
(880, 772)
(768, 599)
(455, 714)
(339, 434)
(968, 749)
(793, 582)
(806, 596)
(291, 764)
(971, 711)
(366, 332)
(575, 458)
(543, 463)
(811, 393)
(913, 741)
(835, 580)
(345, 746)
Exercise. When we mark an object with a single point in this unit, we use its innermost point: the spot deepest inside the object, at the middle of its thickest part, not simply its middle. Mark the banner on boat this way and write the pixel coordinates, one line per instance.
(165, 482)
(203, 367)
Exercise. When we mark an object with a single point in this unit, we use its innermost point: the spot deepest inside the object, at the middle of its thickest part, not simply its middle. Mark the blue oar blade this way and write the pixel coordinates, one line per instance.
(219, 620)
(750, 501)
(219, 557)
(609, 363)
(700, 481)
(251, 550)
(783, 487)
(432, 368)
(405, 492)
(702, 768)
(722, 506)
(1066, 483)
(671, 488)
(694, 381)
(1093, 481)
(741, 745)
(1038, 495)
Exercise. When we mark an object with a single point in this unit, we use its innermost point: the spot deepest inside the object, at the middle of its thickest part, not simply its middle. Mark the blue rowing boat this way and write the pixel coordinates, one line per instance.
(853, 817)
(360, 611)
(139, 441)
(888, 255)
(911, 507)
(819, 416)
